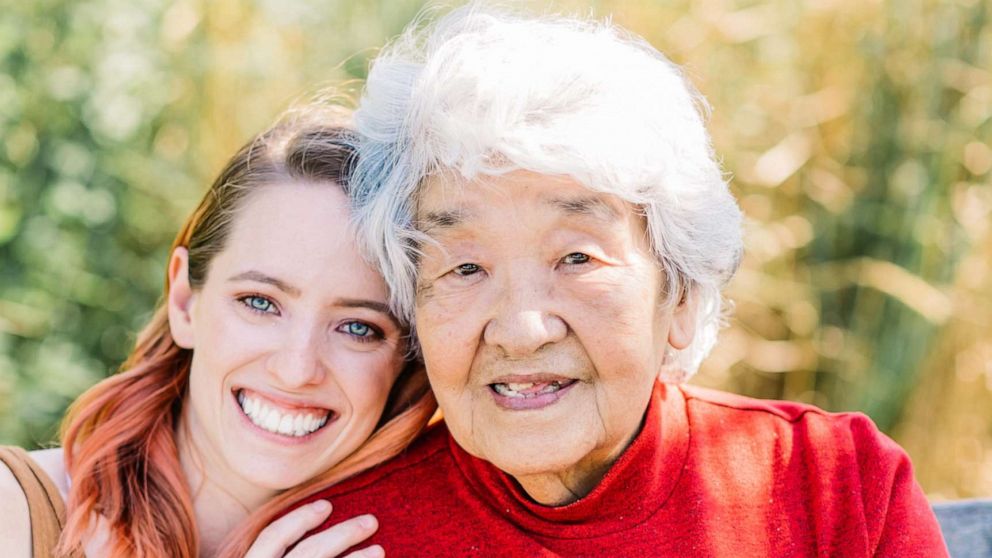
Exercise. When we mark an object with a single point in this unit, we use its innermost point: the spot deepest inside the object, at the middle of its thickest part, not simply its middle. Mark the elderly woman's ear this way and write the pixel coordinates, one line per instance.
(683, 325)
(681, 330)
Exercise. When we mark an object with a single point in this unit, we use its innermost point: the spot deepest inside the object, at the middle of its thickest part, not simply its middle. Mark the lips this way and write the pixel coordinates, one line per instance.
(528, 392)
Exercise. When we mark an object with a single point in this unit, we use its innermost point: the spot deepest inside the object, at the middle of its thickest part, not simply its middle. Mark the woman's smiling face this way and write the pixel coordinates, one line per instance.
(294, 349)
(541, 318)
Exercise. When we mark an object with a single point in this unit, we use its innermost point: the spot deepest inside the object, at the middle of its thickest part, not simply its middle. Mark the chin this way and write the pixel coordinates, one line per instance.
(528, 461)
(275, 476)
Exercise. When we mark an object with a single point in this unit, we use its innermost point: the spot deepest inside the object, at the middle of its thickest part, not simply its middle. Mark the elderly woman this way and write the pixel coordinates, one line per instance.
(542, 197)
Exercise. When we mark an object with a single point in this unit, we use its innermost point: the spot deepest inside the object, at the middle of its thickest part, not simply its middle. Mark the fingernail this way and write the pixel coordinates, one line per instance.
(367, 521)
(321, 506)
(375, 551)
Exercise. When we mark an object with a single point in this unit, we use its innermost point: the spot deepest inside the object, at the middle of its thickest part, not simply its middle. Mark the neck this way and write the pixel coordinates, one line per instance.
(560, 488)
(221, 499)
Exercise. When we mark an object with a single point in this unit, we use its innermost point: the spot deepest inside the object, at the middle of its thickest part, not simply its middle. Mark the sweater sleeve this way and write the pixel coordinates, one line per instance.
(899, 519)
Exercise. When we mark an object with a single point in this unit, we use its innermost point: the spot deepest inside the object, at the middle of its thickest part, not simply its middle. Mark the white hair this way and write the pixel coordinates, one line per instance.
(485, 91)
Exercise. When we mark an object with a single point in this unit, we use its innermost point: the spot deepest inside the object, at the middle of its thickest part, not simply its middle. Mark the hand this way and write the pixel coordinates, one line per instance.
(273, 541)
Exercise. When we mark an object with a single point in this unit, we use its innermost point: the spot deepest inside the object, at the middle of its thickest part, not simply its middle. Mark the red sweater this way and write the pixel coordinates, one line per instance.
(710, 474)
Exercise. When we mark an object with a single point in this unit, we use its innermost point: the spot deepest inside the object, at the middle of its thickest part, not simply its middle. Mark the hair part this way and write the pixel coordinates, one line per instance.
(486, 91)
(119, 437)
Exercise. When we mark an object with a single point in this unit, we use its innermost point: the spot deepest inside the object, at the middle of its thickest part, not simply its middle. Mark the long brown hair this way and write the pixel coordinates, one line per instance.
(119, 437)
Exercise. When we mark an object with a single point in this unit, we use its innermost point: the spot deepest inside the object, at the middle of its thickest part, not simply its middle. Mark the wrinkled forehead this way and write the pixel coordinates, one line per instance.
(447, 199)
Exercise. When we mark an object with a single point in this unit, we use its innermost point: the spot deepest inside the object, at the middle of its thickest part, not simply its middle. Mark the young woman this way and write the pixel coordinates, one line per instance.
(272, 366)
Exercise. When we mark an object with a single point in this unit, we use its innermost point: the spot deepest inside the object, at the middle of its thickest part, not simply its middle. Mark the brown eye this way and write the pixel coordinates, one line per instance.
(466, 269)
(575, 258)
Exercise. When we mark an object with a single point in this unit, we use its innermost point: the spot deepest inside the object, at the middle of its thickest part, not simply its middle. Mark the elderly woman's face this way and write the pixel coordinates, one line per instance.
(540, 311)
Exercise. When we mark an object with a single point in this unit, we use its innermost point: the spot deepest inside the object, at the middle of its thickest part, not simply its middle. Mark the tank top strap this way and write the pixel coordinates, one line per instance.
(45, 503)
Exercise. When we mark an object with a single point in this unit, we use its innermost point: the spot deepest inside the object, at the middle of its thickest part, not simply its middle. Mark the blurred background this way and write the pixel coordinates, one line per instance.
(858, 135)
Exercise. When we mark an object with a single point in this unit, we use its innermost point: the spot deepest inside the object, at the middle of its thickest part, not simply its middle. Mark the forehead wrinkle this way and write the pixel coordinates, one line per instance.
(440, 185)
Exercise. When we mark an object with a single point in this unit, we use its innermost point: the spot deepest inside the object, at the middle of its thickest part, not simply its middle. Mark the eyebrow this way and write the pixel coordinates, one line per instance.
(585, 206)
(444, 219)
(260, 277)
(591, 206)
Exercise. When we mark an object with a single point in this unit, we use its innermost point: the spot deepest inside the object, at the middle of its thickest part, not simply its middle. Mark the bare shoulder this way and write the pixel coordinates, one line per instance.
(52, 461)
(15, 529)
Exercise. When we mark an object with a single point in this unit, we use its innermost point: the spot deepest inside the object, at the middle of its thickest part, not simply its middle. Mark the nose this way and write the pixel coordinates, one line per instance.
(297, 363)
(523, 320)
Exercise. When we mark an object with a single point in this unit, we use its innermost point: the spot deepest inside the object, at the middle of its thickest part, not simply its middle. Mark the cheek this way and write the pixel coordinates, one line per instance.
(449, 334)
(449, 346)
(217, 326)
(617, 317)
(225, 344)
(445, 303)
(632, 290)
(614, 301)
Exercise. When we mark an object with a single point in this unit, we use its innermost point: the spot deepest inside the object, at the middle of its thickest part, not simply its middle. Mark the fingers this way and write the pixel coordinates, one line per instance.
(283, 532)
(374, 551)
(340, 537)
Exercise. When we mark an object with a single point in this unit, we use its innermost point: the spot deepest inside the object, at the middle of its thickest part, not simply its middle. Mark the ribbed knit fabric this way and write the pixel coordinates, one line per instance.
(45, 506)
(710, 474)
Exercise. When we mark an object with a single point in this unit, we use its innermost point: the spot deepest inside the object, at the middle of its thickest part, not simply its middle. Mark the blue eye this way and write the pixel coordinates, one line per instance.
(361, 331)
(575, 258)
(258, 304)
(358, 329)
(467, 269)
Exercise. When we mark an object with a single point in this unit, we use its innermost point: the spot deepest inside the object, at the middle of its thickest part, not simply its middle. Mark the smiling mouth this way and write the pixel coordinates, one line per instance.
(285, 422)
(529, 390)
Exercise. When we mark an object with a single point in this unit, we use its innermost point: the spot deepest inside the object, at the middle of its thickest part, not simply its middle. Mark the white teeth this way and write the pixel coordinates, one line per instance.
(286, 424)
(520, 387)
(279, 421)
(272, 421)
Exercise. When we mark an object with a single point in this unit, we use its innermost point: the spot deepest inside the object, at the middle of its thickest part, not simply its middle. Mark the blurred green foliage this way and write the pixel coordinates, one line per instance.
(85, 213)
(857, 134)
